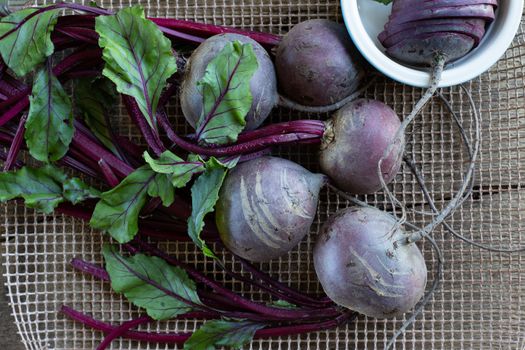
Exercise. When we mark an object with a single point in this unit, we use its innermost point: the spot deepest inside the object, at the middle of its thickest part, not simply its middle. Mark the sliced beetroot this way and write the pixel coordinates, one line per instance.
(468, 11)
(422, 49)
(402, 5)
(475, 32)
(391, 29)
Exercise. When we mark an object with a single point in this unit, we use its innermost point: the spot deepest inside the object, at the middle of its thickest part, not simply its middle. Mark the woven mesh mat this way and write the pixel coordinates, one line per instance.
(481, 304)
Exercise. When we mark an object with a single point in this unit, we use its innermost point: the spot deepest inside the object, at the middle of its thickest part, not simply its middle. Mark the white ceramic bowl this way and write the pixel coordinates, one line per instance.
(365, 19)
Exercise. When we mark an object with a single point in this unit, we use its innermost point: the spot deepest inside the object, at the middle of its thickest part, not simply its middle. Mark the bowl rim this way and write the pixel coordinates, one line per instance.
(486, 55)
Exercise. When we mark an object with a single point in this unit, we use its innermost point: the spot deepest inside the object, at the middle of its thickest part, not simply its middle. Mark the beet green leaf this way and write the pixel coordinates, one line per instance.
(204, 195)
(138, 57)
(75, 190)
(43, 188)
(225, 89)
(23, 46)
(218, 333)
(118, 210)
(93, 98)
(149, 282)
(181, 170)
(283, 304)
(49, 125)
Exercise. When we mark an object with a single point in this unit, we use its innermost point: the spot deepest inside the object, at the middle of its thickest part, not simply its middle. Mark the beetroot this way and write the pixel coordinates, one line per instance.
(399, 5)
(317, 64)
(465, 11)
(475, 30)
(266, 206)
(263, 83)
(424, 31)
(363, 264)
(357, 139)
(427, 32)
(421, 49)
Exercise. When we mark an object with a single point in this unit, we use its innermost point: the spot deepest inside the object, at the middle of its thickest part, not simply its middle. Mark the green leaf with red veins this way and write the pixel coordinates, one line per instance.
(118, 210)
(225, 89)
(216, 334)
(75, 190)
(204, 195)
(24, 46)
(49, 125)
(283, 304)
(161, 187)
(43, 188)
(94, 99)
(149, 282)
(181, 170)
(138, 57)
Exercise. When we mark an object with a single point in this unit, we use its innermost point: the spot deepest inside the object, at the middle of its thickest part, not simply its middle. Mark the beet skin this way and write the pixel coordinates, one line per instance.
(266, 206)
(355, 142)
(364, 265)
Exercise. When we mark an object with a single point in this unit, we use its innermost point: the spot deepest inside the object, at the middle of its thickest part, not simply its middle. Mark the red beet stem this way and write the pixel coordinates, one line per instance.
(85, 35)
(15, 83)
(13, 98)
(19, 93)
(267, 279)
(305, 328)
(16, 144)
(90, 269)
(6, 88)
(146, 228)
(109, 175)
(314, 127)
(247, 304)
(81, 56)
(84, 73)
(3, 156)
(71, 159)
(235, 149)
(129, 147)
(187, 30)
(81, 157)
(168, 338)
(121, 330)
(76, 20)
(97, 152)
(14, 111)
(266, 39)
(255, 155)
(180, 338)
(150, 135)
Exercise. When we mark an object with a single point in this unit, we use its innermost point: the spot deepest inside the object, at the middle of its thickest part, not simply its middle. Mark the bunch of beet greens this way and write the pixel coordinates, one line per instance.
(126, 52)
